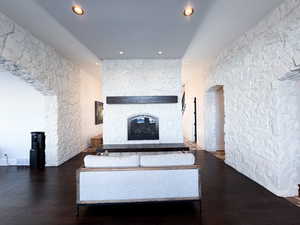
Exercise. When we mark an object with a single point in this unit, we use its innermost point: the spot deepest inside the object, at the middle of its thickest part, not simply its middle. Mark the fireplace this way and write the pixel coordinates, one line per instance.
(143, 127)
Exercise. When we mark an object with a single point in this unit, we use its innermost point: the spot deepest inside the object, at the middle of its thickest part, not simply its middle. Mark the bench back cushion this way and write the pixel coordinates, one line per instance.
(94, 161)
(170, 159)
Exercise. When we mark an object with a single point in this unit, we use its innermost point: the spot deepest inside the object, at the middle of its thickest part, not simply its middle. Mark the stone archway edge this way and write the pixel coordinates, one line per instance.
(42, 67)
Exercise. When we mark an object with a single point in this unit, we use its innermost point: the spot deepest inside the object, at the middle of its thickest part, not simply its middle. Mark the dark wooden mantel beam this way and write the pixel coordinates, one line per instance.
(141, 99)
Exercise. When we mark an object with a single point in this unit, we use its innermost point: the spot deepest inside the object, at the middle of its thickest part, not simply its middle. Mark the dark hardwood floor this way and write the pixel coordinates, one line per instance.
(229, 198)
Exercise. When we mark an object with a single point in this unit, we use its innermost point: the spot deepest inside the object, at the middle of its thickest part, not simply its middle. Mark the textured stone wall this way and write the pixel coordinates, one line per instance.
(40, 66)
(286, 128)
(142, 78)
(298, 116)
(261, 126)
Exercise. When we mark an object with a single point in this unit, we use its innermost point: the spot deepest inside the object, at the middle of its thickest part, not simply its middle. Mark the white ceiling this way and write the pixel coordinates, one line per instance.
(140, 28)
(37, 21)
(225, 22)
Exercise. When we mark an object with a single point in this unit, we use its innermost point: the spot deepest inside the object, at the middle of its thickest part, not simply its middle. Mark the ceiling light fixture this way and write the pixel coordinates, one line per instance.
(188, 11)
(78, 10)
(121, 53)
(160, 52)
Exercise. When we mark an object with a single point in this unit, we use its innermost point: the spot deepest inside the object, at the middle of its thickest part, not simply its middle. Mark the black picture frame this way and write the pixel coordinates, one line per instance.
(98, 112)
(183, 105)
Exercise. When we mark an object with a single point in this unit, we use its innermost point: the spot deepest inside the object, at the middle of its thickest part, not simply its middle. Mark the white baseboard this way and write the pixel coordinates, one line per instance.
(215, 148)
(14, 162)
(9, 162)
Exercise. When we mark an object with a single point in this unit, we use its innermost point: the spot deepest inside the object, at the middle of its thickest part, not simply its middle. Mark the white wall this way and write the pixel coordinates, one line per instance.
(22, 111)
(90, 91)
(142, 78)
(260, 137)
(192, 78)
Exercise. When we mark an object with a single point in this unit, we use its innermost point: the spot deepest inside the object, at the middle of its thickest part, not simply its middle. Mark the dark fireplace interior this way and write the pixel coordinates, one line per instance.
(143, 127)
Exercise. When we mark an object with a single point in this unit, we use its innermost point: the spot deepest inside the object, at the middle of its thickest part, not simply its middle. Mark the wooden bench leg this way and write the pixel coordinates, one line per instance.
(77, 210)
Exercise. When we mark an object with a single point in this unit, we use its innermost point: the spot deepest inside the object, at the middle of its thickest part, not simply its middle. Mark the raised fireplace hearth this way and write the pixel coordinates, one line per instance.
(143, 127)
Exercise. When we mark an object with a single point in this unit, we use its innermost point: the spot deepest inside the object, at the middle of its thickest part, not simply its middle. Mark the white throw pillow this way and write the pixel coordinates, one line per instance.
(170, 159)
(94, 161)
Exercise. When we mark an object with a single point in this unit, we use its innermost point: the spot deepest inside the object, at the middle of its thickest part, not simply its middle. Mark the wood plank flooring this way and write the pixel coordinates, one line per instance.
(229, 198)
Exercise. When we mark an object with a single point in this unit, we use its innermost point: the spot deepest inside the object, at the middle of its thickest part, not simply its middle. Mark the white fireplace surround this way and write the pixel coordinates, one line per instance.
(142, 78)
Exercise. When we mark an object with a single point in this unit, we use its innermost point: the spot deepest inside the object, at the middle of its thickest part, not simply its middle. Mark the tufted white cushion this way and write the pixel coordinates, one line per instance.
(170, 159)
(116, 160)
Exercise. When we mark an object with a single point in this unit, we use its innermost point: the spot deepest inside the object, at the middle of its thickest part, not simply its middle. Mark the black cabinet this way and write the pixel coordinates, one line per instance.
(37, 152)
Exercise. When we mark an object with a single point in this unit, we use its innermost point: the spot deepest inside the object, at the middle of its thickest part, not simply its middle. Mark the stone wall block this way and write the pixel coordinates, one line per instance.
(261, 120)
(42, 67)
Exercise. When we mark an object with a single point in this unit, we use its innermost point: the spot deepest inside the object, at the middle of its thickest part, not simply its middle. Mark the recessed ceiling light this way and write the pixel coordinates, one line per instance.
(160, 52)
(78, 10)
(188, 11)
(97, 63)
(121, 53)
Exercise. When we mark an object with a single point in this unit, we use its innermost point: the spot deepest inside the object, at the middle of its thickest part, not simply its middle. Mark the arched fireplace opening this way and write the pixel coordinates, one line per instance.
(143, 127)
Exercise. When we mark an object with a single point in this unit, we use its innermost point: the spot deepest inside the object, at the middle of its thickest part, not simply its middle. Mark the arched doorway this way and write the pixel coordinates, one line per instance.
(215, 120)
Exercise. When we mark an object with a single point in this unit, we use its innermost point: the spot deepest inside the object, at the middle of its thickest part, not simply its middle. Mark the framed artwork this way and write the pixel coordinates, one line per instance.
(183, 105)
(98, 112)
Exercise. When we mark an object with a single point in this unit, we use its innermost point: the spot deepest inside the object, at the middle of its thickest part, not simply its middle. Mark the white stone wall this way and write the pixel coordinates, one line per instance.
(286, 128)
(261, 137)
(142, 78)
(298, 147)
(40, 66)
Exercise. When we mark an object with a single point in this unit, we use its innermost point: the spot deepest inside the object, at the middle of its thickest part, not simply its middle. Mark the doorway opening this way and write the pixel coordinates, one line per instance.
(215, 121)
(195, 120)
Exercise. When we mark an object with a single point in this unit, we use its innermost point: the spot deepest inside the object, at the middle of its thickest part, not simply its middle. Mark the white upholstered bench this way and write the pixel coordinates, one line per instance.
(138, 177)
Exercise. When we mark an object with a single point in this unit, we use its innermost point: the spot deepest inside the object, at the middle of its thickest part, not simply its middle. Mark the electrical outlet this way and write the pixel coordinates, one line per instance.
(3, 155)
(4, 160)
